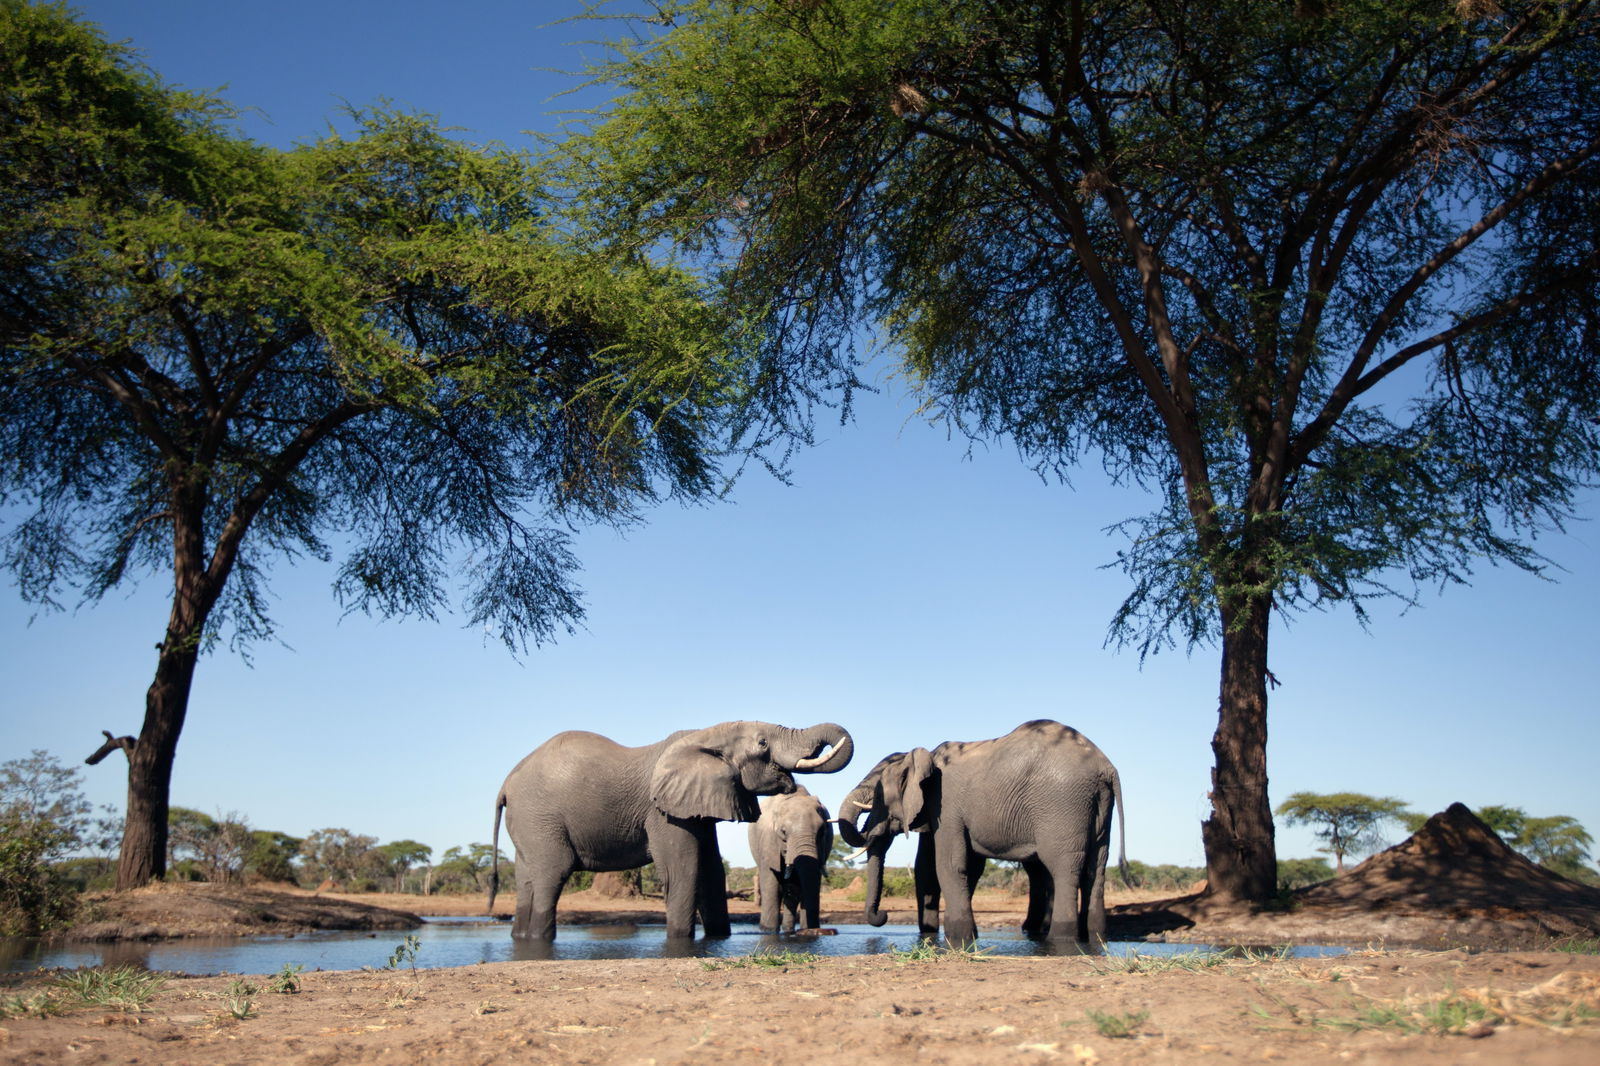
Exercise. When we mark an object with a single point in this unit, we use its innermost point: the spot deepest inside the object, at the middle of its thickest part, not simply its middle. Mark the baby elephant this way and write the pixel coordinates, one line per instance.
(790, 841)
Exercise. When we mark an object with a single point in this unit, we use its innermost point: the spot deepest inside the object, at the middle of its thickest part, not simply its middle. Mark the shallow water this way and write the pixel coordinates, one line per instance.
(465, 941)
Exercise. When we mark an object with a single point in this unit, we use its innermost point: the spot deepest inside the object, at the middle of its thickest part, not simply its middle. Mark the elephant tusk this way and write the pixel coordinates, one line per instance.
(857, 855)
(806, 764)
(858, 803)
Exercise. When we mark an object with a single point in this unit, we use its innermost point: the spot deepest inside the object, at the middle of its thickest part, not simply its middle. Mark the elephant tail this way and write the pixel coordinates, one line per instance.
(1122, 827)
(494, 850)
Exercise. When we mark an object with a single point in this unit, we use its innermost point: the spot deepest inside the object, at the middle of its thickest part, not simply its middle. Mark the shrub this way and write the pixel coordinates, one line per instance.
(42, 816)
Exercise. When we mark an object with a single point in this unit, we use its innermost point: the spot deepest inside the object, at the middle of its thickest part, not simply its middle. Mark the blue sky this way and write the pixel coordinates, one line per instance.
(906, 585)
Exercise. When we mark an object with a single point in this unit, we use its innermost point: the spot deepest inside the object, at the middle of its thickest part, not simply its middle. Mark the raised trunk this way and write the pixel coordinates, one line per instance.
(800, 749)
(1241, 855)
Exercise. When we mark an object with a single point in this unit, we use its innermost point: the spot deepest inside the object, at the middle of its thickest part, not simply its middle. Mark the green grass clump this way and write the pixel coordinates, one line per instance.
(1117, 1026)
(124, 988)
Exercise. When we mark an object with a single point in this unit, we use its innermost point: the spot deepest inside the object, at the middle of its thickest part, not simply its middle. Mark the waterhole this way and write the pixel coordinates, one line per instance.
(465, 941)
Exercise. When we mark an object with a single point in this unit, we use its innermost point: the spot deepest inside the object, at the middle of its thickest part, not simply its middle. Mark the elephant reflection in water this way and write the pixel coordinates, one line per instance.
(583, 802)
(1041, 795)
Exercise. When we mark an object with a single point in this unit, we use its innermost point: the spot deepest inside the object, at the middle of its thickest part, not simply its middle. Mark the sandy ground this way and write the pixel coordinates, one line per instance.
(1453, 883)
(1527, 1008)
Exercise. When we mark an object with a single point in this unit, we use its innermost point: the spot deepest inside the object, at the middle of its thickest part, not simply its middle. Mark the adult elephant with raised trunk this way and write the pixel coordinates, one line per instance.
(1042, 795)
(581, 801)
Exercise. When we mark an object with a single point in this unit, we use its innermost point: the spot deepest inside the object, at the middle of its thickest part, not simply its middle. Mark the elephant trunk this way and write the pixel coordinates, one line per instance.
(859, 800)
(800, 750)
(799, 846)
(876, 917)
(805, 878)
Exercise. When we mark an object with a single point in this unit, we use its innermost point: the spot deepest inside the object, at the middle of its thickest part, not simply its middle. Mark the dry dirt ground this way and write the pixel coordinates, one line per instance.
(1390, 1004)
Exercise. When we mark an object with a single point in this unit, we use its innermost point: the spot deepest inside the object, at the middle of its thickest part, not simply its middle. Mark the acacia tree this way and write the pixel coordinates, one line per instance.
(1351, 822)
(214, 354)
(1322, 276)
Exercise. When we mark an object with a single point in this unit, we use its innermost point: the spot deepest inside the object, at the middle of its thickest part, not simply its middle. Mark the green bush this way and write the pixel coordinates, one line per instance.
(42, 816)
(895, 883)
(1298, 873)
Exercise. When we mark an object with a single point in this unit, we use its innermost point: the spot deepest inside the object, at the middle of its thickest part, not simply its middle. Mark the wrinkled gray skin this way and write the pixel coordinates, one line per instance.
(583, 802)
(1042, 795)
(790, 842)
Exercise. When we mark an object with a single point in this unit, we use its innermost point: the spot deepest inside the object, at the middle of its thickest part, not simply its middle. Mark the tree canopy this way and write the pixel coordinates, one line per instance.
(1321, 277)
(1350, 822)
(216, 354)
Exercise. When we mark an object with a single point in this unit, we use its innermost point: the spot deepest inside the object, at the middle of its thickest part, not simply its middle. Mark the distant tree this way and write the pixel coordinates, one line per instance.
(42, 817)
(1350, 822)
(1560, 843)
(466, 869)
(214, 354)
(401, 856)
(211, 849)
(1323, 277)
(1299, 873)
(335, 854)
(271, 856)
(1165, 876)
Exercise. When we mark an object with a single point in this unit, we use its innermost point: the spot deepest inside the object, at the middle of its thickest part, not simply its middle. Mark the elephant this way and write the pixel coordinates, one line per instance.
(790, 843)
(1042, 795)
(581, 801)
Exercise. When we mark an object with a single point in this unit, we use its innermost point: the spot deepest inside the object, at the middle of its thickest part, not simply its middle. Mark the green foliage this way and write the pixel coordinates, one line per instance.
(1184, 281)
(900, 882)
(42, 816)
(406, 953)
(1164, 876)
(240, 998)
(1117, 1026)
(1248, 256)
(336, 854)
(400, 856)
(271, 856)
(287, 980)
(122, 988)
(214, 353)
(1298, 873)
(467, 869)
(1350, 822)
(203, 848)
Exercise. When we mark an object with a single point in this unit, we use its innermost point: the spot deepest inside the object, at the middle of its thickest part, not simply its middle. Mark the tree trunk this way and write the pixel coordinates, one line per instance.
(1241, 857)
(166, 703)
(144, 835)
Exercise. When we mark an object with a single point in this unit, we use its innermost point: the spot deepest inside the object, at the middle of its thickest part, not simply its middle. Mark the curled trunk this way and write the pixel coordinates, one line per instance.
(801, 749)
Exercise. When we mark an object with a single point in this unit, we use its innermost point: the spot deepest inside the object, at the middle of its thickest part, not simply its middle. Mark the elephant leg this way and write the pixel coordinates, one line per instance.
(955, 863)
(1067, 912)
(1041, 891)
(1093, 929)
(771, 890)
(537, 892)
(926, 874)
(675, 847)
(712, 882)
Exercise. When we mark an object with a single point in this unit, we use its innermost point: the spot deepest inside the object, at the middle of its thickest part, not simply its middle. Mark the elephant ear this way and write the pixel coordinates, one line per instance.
(692, 780)
(906, 792)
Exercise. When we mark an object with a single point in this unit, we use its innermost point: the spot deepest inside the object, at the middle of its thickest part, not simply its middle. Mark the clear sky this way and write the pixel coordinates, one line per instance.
(906, 586)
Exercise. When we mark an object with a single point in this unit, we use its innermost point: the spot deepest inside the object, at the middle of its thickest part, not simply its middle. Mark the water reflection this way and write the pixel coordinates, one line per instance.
(457, 942)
